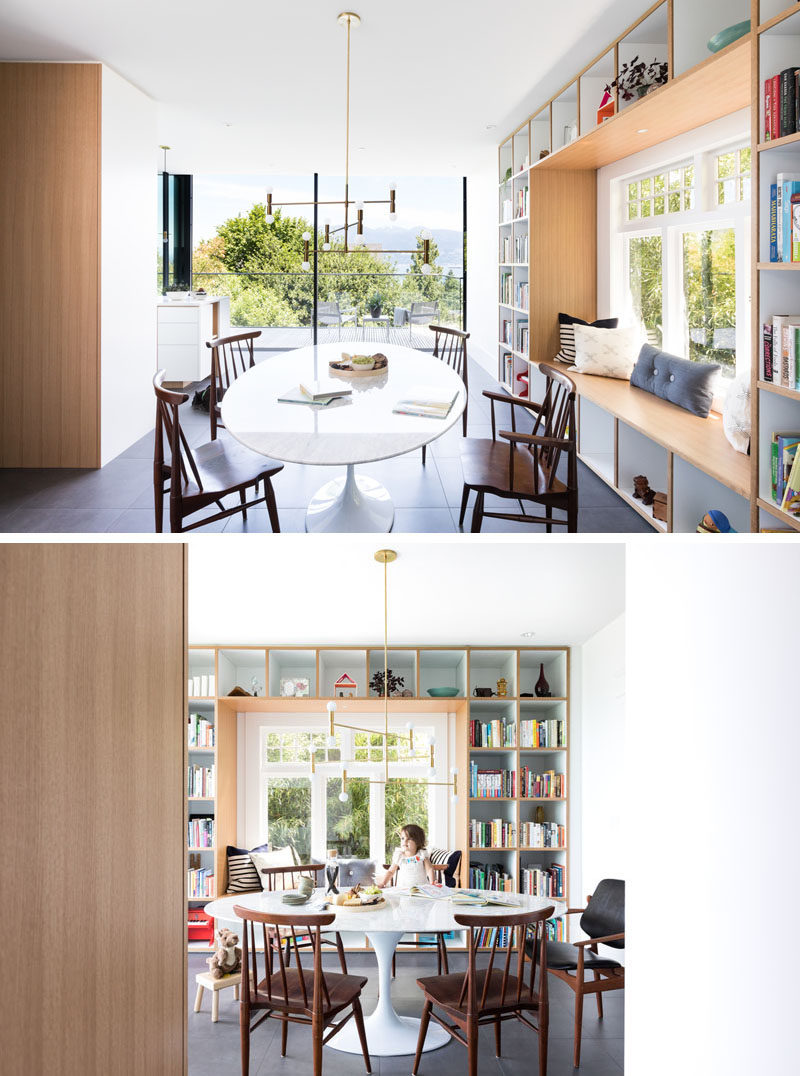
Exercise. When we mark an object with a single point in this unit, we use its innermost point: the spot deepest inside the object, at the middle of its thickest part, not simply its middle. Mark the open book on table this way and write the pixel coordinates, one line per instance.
(428, 402)
(479, 897)
(432, 892)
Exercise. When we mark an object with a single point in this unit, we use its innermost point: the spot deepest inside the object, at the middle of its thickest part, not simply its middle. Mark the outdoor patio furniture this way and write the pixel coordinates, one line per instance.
(418, 312)
(331, 313)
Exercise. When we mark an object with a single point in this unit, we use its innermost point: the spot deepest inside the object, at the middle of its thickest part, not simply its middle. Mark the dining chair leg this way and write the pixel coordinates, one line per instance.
(394, 965)
(362, 1033)
(424, 447)
(243, 501)
(272, 507)
(423, 1031)
(284, 1036)
(316, 1034)
(549, 515)
(472, 1047)
(477, 512)
(578, 1024)
(544, 1032)
(244, 1035)
(158, 492)
(464, 499)
(497, 1044)
(572, 514)
(599, 996)
(464, 420)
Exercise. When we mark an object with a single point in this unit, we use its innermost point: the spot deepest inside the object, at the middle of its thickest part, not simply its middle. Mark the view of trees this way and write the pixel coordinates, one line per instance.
(260, 269)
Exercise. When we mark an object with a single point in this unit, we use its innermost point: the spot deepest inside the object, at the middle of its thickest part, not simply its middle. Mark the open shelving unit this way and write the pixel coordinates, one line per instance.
(618, 425)
(462, 668)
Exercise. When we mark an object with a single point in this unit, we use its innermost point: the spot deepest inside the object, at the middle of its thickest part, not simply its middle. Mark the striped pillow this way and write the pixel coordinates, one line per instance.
(566, 328)
(449, 856)
(242, 874)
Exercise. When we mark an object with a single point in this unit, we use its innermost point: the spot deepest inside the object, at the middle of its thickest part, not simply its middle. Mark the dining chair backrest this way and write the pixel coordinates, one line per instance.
(605, 912)
(278, 987)
(450, 345)
(506, 940)
(288, 877)
(556, 421)
(169, 432)
(231, 356)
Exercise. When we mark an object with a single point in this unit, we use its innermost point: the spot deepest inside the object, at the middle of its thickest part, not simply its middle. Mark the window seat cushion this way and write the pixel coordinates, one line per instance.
(687, 384)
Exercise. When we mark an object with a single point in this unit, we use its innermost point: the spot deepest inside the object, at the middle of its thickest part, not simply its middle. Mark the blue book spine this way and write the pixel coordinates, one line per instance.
(773, 222)
(790, 187)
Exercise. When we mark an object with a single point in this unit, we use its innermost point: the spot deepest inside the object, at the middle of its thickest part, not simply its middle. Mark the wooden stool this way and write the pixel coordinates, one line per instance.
(206, 981)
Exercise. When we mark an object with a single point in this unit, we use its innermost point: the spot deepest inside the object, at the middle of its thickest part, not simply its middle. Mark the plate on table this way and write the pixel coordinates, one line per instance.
(295, 898)
(344, 367)
(363, 907)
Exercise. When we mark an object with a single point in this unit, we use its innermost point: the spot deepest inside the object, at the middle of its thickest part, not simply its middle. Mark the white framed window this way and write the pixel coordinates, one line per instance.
(284, 802)
(681, 239)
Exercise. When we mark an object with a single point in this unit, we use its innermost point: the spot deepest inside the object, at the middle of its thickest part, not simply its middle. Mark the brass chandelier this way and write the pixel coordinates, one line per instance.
(348, 19)
(386, 557)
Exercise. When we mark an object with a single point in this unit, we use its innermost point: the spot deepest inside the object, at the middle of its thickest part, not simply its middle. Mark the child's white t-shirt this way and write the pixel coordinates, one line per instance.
(411, 869)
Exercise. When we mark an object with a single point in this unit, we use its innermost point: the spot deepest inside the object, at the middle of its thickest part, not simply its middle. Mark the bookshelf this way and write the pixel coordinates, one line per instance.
(776, 408)
(623, 430)
(474, 819)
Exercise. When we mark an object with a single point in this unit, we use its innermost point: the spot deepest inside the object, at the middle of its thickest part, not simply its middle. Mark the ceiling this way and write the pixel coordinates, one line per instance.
(329, 589)
(427, 78)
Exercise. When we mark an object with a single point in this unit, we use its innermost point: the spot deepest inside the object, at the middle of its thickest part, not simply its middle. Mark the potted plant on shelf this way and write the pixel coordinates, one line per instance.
(374, 304)
(396, 683)
(637, 78)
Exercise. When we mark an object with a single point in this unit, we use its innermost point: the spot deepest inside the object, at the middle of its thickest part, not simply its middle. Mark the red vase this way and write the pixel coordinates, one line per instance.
(542, 688)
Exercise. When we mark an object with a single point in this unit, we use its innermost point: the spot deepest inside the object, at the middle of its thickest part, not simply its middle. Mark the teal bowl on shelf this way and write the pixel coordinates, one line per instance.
(442, 692)
(728, 35)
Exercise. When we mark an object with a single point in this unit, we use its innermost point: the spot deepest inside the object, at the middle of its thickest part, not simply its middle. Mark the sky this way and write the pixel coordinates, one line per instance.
(434, 203)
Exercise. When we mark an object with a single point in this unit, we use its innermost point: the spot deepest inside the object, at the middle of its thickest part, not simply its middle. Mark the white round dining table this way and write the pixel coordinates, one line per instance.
(388, 1033)
(360, 429)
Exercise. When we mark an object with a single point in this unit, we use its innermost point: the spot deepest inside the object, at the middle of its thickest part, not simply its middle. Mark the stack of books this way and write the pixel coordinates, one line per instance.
(427, 403)
(543, 881)
(316, 393)
(495, 733)
(498, 833)
(491, 784)
(549, 733)
(781, 104)
(490, 876)
(780, 350)
(784, 218)
(542, 835)
(547, 785)
(786, 472)
(201, 731)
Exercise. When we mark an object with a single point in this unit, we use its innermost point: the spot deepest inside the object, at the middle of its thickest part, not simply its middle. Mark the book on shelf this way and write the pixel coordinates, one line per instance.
(547, 785)
(554, 929)
(780, 208)
(781, 107)
(790, 501)
(780, 350)
(202, 685)
(491, 783)
(543, 881)
(324, 389)
(495, 733)
(201, 883)
(506, 210)
(522, 202)
(200, 832)
(522, 336)
(201, 782)
(427, 402)
(783, 451)
(542, 835)
(767, 368)
(795, 227)
(773, 222)
(202, 732)
(549, 732)
(505, 288)
(506, 332)
(508, 367)
(490, 876)
(521, 249)
(495, 833)
(521, 295)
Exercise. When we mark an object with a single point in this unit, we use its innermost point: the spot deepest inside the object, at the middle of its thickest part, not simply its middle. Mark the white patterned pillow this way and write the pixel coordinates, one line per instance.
(606, 352)
(736, 415)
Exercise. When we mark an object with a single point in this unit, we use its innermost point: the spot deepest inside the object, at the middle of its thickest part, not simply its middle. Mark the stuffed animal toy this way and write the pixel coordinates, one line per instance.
(228, 957)
(715, 522)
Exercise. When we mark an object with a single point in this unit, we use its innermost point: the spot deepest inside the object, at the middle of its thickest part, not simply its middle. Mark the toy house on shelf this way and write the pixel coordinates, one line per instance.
(345, 687)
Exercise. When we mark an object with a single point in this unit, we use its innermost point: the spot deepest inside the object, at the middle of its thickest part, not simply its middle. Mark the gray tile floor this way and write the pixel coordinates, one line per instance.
(119, 497)
(214, 1048)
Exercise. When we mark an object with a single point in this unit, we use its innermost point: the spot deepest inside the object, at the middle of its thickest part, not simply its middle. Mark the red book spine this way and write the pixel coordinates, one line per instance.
(775, 113)
(767, 109)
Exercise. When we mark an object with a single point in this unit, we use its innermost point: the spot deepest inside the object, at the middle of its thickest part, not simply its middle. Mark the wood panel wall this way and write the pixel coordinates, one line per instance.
(563, 254)
(92, 796)
(50, 265)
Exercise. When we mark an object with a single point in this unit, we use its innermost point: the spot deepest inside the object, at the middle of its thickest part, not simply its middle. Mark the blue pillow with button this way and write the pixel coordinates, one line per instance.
(687, 384)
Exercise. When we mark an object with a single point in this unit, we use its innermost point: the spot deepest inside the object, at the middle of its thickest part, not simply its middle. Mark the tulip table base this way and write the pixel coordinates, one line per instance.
(350, 504)
(388, 1034)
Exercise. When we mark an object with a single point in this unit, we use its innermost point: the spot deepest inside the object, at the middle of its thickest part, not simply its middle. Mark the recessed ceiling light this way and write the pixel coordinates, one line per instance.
(227, 124)
(490, 126)
(643, 130)
(527, 634)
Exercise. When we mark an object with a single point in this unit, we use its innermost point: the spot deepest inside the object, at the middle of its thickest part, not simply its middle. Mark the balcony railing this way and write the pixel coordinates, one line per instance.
(286, 300)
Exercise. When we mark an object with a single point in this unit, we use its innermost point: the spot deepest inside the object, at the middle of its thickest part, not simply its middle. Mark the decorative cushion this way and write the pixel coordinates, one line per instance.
(451, 858)
(278, 857)
(242, 874)
(687, 384)
(566, 328)
(736, 415)
(606, 352)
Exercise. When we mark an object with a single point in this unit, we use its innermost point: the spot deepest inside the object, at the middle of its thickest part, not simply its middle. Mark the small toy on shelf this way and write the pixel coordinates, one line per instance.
(641, 489)
(345, 687)
(715, 522)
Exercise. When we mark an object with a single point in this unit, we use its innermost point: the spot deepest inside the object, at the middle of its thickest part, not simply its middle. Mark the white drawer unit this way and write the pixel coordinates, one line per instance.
(183, 329)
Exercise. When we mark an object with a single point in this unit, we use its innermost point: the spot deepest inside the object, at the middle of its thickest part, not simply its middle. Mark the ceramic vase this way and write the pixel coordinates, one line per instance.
(542, 688)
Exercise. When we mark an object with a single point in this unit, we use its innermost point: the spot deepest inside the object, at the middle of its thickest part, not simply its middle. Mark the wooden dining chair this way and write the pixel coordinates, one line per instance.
(447, 871)
(231, 356)
(489, 995)
(277, 878)
(295, 995)
(195, 480)
(525, 467)
(603, 919)
(450, 345)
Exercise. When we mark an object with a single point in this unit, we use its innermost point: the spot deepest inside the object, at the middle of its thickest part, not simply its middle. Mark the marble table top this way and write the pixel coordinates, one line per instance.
(360, 430)
(401, 913)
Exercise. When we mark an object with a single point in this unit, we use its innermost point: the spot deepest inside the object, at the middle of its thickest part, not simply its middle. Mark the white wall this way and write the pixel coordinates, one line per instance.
(129, 222)
(713, 732)
(604, 802)
(482, 264)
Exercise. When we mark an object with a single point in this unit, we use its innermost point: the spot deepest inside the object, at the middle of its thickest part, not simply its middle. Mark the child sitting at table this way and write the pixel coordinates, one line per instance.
(410, 862)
